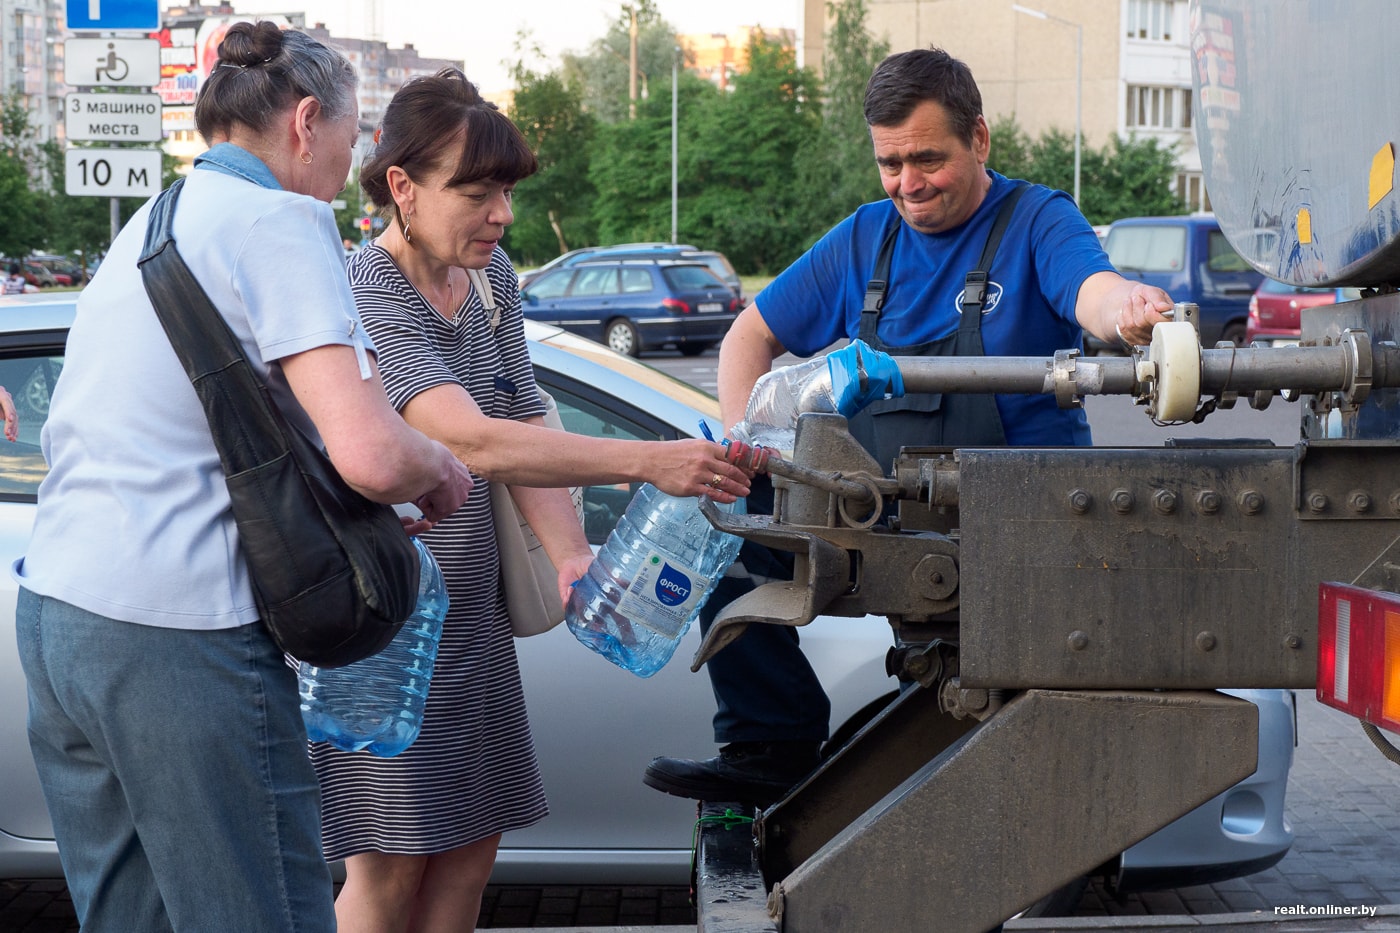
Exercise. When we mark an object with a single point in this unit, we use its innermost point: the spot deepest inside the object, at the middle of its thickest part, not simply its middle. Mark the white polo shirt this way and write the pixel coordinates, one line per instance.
(133, 520)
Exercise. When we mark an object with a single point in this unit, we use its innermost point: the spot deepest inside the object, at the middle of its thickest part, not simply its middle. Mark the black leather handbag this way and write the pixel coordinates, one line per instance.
(334, 575)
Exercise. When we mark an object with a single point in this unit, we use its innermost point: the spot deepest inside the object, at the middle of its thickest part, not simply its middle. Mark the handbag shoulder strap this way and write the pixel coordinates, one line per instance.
(246, 429)
(488, 300)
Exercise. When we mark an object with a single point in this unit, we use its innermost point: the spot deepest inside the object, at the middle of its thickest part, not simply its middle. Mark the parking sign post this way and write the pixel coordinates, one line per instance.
(100, 61)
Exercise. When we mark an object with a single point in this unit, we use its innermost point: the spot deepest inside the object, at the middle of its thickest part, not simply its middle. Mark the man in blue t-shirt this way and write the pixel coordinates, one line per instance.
(896, 274)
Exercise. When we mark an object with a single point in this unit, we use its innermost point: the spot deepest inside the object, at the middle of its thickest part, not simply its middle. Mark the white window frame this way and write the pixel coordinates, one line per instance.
(1152, 107)
(1153, 20)
(1191, 189)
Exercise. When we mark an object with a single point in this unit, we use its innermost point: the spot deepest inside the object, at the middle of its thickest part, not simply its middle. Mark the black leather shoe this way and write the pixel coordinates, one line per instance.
(750, 772)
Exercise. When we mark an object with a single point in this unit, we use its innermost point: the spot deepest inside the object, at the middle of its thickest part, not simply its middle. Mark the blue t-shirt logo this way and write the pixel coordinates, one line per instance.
(994, 292)
(672, 586)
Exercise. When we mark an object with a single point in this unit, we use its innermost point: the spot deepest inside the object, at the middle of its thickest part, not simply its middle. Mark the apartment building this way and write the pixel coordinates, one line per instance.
(1127, 63)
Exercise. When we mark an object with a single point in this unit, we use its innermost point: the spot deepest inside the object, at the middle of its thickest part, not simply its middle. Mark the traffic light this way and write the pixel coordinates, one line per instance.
(364, 224)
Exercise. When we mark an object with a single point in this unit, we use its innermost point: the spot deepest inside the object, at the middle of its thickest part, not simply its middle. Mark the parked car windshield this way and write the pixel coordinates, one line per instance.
(1148, 248)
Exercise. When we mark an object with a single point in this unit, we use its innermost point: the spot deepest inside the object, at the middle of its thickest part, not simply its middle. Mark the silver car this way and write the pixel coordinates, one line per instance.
(596, 726)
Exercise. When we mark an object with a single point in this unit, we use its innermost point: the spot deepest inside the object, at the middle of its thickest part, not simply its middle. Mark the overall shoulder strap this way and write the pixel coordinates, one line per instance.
(879, 283)
(975, 284)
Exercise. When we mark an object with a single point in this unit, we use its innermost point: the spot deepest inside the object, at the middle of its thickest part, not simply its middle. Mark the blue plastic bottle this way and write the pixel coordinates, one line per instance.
(377, 703)
(649, 580)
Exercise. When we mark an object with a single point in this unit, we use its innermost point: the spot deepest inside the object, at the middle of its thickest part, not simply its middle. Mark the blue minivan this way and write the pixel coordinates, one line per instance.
(1190, 259)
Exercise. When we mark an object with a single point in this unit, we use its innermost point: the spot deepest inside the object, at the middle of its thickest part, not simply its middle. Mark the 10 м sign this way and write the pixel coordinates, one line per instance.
(113, 117)
(112, 173)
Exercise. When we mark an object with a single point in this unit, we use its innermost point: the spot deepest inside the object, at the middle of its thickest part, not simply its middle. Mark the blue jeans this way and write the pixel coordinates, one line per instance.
(175, 770)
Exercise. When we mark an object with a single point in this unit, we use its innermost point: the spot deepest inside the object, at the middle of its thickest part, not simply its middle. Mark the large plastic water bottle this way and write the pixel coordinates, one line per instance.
(648, 582)
(377, 703)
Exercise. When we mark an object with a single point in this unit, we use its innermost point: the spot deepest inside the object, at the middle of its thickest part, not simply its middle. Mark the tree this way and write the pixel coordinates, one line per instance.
(553, 209)
(837, 169)
(26, 207)
(1127, 178)
(739, 192)
(603, 74)
(1136, 181)
(1011, 149)
(630, 167)
(347, 218)
(736, 150)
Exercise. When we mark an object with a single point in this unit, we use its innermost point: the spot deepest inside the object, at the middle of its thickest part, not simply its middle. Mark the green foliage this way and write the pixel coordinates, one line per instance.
(739, 195)
(347, 218)
(735, 153)
(837, 170)
(1135, 181)
(1011, 149)
(631, 167)
(603, 73)
(554, 207)
(21, 169)
(1127, 178)
(766, 167)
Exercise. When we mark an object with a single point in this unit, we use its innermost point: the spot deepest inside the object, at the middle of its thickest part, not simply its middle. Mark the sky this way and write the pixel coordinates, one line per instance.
(483, 32)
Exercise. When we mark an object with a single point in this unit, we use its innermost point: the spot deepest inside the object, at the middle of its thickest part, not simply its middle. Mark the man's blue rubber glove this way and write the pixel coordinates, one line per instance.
(860, 375)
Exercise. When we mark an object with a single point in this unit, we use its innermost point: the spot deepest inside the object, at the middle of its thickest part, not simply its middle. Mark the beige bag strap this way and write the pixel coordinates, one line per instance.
(488, 300)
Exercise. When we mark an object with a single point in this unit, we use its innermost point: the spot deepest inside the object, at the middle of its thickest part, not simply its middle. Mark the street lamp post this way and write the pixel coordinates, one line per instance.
(675, 69)
(1078, 80)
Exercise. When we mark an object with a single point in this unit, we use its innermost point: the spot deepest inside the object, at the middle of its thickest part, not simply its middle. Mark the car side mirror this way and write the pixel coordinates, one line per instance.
(529, 298)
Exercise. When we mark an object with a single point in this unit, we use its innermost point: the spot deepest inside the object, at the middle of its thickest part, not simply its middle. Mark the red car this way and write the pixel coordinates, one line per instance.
(1274, 317)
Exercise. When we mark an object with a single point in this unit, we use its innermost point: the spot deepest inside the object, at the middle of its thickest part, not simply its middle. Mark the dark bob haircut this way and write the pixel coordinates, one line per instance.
(422, 121)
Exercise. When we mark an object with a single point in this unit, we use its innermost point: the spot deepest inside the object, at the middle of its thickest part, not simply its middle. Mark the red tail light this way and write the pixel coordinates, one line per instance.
(1358, 653)
(1254, 307)
(676, 305)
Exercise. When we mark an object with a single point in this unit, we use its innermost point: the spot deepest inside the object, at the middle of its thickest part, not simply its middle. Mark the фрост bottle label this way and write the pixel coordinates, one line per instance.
(662, 595)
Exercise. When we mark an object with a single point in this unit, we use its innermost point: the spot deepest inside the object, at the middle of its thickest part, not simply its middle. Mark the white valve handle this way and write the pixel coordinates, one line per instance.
(1175, 352)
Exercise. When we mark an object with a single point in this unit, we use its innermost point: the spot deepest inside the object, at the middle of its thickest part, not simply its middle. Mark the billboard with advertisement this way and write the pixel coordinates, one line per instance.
(188, 53)
(178, 81)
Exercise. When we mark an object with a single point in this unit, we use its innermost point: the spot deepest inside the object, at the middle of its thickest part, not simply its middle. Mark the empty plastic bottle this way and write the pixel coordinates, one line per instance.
(648, 582)
(843, 381)
(377, 703)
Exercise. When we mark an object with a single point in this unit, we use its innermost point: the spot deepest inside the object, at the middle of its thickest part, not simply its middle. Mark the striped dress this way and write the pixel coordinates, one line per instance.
(472, 772)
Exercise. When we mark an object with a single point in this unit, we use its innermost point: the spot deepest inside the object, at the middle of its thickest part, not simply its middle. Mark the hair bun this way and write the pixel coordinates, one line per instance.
(248, 44)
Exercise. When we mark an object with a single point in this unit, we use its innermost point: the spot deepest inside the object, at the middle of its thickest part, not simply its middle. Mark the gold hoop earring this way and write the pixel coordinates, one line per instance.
(308, 157)
(407, 235)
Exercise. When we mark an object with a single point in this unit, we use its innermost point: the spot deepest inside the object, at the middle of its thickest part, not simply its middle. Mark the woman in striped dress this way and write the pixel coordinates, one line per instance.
(419, 831)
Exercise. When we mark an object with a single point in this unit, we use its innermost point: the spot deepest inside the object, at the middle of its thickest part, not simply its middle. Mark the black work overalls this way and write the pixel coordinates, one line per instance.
(765, 688)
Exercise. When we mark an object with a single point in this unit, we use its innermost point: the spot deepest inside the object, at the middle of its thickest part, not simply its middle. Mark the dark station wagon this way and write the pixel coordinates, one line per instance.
(635, 304)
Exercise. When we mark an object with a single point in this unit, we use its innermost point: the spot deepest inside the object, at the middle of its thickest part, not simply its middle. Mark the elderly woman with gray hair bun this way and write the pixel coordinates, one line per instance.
(163, 719)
